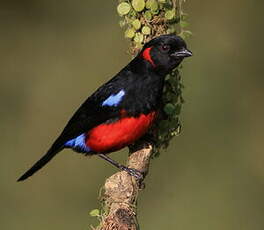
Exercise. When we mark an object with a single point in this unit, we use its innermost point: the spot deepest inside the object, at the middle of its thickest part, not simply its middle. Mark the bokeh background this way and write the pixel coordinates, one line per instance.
(53, 54)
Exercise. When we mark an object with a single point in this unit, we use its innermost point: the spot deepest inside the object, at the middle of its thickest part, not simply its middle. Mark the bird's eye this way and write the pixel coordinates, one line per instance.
(165, 47)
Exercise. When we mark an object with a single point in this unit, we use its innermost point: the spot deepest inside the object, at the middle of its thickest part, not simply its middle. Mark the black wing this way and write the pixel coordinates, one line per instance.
(90, 114)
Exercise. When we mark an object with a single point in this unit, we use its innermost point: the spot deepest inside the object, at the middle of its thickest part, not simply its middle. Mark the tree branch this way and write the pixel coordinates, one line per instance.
(121, 192)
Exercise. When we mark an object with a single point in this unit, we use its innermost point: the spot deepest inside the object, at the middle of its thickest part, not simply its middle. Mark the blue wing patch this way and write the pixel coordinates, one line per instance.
(78, 144)
(114, 99)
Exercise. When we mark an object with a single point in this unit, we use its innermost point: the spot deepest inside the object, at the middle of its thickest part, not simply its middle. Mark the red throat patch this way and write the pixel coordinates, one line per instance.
(146, 55)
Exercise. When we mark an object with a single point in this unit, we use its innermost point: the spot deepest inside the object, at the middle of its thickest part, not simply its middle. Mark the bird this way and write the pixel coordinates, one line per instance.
(123, 109)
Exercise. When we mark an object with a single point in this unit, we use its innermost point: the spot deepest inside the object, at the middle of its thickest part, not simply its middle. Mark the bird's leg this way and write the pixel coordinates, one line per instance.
(131, 171)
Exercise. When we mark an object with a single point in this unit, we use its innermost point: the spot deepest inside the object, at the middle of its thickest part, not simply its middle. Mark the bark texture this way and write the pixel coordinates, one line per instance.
(121, 192)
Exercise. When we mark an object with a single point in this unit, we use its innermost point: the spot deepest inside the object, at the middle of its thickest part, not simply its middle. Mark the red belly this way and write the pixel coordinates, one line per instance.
(114, 136)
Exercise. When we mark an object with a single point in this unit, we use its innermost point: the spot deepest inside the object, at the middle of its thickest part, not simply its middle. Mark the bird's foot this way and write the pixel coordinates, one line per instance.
(139, 176)
(135, 173)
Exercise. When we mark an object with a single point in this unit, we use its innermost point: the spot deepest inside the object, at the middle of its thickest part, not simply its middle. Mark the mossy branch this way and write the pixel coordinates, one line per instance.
(142, 21)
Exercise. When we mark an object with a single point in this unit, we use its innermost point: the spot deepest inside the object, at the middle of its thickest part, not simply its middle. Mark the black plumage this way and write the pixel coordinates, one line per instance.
(140, 83)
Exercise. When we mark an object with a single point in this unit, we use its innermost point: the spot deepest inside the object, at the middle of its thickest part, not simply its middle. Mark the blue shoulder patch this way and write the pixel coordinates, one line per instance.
(114, 99)
(78, 143)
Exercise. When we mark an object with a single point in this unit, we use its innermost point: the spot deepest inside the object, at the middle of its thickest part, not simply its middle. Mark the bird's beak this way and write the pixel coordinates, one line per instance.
(182, 53)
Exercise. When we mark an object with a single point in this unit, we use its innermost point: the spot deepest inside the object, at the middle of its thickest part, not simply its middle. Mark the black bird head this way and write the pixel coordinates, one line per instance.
(165, 52)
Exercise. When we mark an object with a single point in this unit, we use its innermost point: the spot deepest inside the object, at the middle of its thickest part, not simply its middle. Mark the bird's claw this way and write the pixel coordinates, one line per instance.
(135, 173)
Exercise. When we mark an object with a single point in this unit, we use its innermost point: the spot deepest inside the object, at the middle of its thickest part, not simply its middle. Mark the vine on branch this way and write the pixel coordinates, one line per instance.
(143, 20)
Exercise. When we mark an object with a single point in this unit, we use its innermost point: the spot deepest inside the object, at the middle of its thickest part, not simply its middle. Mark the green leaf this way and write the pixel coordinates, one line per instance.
(138, 5)
(123, 8)
(148, 15)
(95, 212)
(132, 14)
(169, 109)
(130, 33)
(146, 30)
(136, 24)
(162, 1)
(138, 38)
(152, 5)
(148, 4)
(170, 14)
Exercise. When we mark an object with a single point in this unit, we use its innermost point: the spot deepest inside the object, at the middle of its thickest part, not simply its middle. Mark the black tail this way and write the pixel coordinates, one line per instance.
(40, 163)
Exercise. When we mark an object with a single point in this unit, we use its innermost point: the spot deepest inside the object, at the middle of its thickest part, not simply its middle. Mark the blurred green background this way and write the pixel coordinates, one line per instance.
(56, 53)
